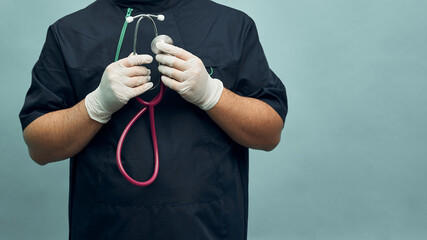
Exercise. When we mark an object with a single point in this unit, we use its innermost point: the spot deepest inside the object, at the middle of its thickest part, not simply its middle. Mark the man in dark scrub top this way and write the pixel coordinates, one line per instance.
(222, 98)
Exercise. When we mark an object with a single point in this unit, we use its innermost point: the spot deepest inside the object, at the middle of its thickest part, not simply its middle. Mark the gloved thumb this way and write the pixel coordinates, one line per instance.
(143, 88)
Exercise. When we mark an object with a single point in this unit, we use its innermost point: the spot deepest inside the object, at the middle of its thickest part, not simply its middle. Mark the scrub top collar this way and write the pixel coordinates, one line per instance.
(147, 5)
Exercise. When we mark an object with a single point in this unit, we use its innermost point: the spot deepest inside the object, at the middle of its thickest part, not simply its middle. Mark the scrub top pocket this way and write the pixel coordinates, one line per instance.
(219, 68)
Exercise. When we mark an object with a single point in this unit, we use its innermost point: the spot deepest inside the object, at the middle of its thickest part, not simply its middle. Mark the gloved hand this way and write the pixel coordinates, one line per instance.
(121, 81)
(186, 74)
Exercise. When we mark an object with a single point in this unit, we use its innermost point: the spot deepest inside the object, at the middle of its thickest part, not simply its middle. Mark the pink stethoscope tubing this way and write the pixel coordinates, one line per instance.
(150, 105)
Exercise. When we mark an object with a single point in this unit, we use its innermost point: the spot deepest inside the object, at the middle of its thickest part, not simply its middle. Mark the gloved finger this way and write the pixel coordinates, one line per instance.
(142, 89)
(172, 73)
(136, 71)
(174, 50)
(172, 61)
(135, 60)
(170, 83)
(137, 81)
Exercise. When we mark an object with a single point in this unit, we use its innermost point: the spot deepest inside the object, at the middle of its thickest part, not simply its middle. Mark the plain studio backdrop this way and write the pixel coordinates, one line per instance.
(352, 163)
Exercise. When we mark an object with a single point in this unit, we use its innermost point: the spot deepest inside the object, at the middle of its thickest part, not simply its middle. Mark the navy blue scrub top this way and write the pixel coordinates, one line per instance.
(201, 191)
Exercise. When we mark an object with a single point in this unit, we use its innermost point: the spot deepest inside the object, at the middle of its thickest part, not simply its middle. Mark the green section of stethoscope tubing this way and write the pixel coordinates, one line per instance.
(122, 35)
(210, 74)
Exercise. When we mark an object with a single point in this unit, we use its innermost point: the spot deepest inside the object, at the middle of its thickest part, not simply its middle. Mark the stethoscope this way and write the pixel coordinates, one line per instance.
(151, 104)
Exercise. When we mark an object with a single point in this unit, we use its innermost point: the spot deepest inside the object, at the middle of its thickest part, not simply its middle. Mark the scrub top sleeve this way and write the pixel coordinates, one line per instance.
(50, 89)
(255, 78)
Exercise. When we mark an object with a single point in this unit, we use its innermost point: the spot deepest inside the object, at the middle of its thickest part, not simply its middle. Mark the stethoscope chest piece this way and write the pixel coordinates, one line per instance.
(160, 38)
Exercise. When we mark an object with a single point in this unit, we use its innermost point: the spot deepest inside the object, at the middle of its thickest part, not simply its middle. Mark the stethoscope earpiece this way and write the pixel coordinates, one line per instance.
(129, 19)
(161, 17)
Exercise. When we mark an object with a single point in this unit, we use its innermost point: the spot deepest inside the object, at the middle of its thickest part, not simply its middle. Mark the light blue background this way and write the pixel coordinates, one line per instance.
(352, 160)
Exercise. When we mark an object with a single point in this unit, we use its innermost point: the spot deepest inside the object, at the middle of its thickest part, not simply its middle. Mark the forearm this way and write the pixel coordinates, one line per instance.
(248, 121)
(61, 134)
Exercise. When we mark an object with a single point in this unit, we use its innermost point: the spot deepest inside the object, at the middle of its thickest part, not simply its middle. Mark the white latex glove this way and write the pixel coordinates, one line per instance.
(121, 81)
(186, 74)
